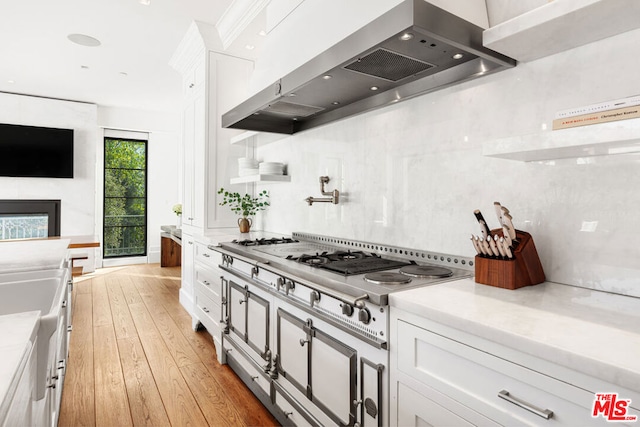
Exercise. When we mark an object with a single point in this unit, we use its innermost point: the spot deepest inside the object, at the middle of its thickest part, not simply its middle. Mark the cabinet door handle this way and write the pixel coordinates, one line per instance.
(205, 309)
(206, 255)
(544, 413)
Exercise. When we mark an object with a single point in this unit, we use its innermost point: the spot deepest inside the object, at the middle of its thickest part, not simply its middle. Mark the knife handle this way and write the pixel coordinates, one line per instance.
(475, 245)
(498, 209)
(499, 243)
(485, 247)
(484, 228)
(507, 235)
(507, 249)
(478, 244)
(508, 221)
(494, 248)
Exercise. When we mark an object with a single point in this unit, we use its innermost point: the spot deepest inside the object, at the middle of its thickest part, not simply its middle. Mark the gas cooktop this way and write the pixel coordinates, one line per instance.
(361, 265)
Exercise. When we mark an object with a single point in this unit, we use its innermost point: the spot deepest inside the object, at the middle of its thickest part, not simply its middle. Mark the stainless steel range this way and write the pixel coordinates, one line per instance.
(310, 314)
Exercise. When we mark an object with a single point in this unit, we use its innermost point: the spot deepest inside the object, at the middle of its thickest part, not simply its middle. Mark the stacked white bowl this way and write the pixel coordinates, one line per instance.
(247, 166)
(271, 168)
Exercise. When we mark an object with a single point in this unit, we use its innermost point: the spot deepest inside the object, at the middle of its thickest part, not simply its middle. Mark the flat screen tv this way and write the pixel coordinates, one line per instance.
(37, 152)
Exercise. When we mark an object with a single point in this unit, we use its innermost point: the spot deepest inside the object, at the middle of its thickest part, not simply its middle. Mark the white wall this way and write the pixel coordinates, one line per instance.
(163, 181)
(82, 196)
(412, 174)
(77, 194)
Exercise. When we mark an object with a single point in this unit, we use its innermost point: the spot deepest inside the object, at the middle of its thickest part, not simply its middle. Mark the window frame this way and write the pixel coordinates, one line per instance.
(145, 142)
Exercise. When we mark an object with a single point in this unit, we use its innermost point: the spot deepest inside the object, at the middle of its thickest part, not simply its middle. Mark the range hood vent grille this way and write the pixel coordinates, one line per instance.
(388, 65)
(290, 109)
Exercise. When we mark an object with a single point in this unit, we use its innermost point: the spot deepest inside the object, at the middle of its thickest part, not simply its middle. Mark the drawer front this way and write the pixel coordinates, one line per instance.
(206, 256)
(256, 374)
(209, 283)
(208, 312)
(414, 409)
(292, 411)
(488, 384)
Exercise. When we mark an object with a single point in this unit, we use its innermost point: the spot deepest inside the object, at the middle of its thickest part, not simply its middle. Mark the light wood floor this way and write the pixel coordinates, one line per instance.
(135, 360)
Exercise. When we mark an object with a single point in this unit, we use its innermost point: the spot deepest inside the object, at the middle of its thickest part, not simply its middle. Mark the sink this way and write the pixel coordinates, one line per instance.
(40, 290)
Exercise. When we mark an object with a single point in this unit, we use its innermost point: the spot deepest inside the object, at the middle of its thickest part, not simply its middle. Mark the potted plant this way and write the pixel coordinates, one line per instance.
(177, 209)
(245, 206)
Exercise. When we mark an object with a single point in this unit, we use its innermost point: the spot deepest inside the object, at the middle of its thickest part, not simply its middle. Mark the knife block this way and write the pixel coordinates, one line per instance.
(524, 269)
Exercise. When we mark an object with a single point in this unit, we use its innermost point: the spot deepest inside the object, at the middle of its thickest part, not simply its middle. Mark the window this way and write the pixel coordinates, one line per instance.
(125, 197)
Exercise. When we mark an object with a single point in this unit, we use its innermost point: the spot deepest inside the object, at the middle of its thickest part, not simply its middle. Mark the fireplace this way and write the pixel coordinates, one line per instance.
(26, 219)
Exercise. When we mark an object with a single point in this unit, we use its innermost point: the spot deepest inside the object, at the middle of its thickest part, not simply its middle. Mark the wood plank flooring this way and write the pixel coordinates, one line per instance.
(134, 359)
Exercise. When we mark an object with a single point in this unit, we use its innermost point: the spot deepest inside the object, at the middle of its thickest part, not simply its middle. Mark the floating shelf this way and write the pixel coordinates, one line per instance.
(260, 178)
(259, 138)
(561, 25)
(621, 137)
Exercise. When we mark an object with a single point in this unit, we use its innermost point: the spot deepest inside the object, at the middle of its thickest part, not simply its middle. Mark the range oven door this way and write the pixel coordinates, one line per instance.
(319, 366)
(249, 319)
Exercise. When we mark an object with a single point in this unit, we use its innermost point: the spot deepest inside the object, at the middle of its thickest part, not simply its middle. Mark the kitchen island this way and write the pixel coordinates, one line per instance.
(581, 341)
(170, 246)
(17, 380)
(35, 321)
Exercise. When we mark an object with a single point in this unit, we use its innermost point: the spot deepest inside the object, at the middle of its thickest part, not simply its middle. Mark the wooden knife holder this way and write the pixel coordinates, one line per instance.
(524, 269)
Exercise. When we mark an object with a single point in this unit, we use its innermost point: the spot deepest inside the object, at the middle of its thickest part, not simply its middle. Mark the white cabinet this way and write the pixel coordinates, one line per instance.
(210, 294)
(20, 410)
(188, 265)
(193, 167)
(440, 375)
(213, 82)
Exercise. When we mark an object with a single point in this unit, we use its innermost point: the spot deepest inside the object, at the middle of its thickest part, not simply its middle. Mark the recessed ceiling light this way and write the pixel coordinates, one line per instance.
(326, 76)
(11, 81)
(406, 36)
(335, 103)
(292, 94)
(84, 40)
(458, 56)
(374, 88)
(145, 2)
(262, 33)
(249, 47)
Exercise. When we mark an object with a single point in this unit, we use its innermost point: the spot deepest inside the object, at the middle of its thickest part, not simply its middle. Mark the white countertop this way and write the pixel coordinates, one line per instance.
(594, 332)
(27, 255)
(17, 333)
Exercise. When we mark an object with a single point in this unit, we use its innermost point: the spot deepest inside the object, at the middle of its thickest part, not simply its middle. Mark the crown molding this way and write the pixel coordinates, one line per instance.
(237, 17)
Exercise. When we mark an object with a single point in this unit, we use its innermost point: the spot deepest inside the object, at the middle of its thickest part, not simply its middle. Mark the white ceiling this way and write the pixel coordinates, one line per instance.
(36, 58)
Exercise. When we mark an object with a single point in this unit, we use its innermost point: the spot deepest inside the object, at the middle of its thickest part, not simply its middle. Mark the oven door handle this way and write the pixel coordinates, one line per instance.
(233, 255)
(357, 302)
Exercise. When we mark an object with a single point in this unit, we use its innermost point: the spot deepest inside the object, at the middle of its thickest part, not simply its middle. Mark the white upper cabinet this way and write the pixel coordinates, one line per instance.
(212, 83)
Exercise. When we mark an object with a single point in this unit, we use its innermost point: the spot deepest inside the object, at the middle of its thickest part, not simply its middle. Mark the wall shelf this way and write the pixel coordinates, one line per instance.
(561, 25)
(260, 178)
(621, 137)
(258, 138)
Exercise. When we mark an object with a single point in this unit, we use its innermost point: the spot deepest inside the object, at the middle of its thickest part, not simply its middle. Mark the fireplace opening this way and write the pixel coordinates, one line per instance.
(28, 219)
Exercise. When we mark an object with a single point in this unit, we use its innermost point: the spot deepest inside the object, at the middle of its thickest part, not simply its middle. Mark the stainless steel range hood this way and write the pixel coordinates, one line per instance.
(413, 49)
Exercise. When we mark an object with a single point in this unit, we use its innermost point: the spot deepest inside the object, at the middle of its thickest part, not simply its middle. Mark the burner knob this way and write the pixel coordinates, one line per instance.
(347, 309)
(364, 316)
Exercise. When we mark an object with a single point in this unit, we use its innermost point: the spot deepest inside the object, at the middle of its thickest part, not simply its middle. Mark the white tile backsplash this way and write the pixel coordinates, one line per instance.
(411, 174)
